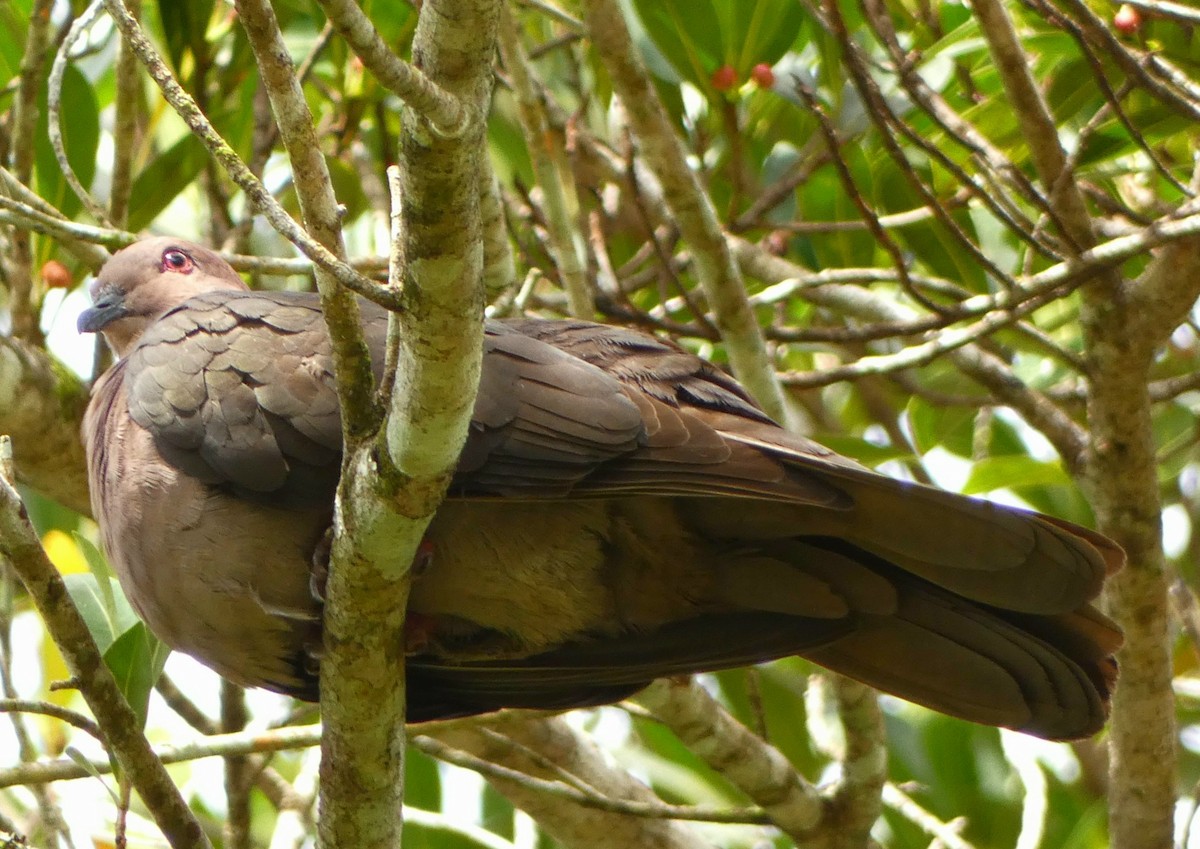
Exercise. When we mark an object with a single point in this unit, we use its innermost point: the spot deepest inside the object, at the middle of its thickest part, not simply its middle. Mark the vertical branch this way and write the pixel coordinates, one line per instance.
(238, 770)
(857, 802)
(689, 204)
(1120, 475)
(20, 254)
(125, 126)
(499, 266)
(565, 239)
(362, 685)
(391, 484)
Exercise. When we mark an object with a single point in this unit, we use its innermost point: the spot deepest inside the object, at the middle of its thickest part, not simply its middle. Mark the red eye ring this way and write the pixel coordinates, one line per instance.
(176, 260)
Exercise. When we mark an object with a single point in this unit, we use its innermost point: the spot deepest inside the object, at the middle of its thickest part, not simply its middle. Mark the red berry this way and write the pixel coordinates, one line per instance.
(1127, 20)
(724, 78)
(55, 275)
(763, 75)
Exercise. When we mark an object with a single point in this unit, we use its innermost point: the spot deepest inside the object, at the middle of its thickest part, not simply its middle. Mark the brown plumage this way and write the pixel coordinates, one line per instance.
(621, 511)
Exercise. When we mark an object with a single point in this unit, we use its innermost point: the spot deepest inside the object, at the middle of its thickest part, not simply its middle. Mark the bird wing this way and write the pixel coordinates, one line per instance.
(238, 390)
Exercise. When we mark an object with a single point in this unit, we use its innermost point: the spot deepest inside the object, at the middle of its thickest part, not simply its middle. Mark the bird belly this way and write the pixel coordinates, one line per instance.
(540, 574)
(215, 577)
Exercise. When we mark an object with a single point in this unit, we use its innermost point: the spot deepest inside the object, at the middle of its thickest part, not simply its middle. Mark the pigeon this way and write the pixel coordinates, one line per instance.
(622, 511)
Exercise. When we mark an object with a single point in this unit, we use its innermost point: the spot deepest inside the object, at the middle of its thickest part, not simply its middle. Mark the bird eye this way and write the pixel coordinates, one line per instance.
(173, 259)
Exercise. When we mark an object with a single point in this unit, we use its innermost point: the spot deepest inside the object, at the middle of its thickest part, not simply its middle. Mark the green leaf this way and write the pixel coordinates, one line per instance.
(185, 26)
(347, 187)
(136, 659)
(167, 175)
(1013, 472)
(867, 453)
(762, 31)
(698, 36)
(105, 622)
(133, 654)
(14, 17)
(422, 780)
(687, 33)
(952, 428)
(98, 566)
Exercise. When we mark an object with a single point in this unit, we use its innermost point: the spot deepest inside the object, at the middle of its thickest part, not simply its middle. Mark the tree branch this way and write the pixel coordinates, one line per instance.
(392, 483)
(691, 207)
(1120, 475)
(448, 116)
(578, 828)
(758, 769)
(186, 108)
(41, 408)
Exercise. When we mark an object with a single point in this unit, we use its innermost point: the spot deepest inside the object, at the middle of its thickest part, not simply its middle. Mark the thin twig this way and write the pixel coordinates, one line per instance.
(78, 30)
(186, 108)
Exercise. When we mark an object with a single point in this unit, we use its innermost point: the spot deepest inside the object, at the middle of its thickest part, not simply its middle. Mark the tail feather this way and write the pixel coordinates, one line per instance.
(996, 555)
(970, 663)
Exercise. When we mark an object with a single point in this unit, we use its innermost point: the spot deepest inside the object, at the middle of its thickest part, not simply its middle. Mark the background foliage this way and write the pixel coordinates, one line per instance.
(911, 273)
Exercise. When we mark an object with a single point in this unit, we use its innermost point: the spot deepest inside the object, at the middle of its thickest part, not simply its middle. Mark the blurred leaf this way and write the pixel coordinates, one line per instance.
(422, 780)
(14, 18)
(498, 815)
(688, 34)
(1013, 472)
(81, 136)
(760, 31)
(185, 27)
(395, 22)
(862, 450)
(105, 580)
(348, 188)
(83, 763)
(951, 428)
(160, 182)
(64, 553)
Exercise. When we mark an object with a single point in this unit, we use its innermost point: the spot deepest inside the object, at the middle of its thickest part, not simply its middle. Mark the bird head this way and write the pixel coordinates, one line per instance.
(143, 281)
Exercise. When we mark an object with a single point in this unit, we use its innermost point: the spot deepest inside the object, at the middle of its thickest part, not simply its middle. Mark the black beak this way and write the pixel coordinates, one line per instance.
(109, 307)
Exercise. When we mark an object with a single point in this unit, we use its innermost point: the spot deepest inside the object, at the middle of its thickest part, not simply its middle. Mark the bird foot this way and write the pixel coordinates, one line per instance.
(318, 573)
(423, 559)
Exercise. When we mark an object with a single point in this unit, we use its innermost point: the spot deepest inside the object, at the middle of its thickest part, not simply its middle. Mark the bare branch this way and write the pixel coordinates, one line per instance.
(187, 109)
(1119, 477)
(447, 115)
(58, 69)
(580, 828)
(761, 771)
(565, 241)
(19, 262)
(690, 206)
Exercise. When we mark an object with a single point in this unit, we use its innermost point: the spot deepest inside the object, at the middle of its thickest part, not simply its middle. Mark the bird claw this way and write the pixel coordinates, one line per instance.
(318, 573)
(423, 558)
